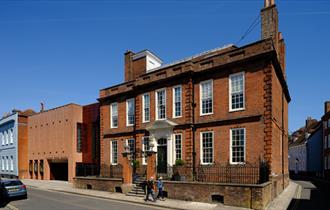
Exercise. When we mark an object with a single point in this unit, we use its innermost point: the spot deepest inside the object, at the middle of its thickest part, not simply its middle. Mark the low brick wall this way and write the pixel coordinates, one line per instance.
(240, 195)
(98, 183)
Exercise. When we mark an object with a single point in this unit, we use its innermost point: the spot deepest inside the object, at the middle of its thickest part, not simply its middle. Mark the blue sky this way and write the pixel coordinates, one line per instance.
(59, 51)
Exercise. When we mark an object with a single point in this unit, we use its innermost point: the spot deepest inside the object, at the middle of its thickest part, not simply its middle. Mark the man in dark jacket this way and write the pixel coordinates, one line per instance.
(150, 189)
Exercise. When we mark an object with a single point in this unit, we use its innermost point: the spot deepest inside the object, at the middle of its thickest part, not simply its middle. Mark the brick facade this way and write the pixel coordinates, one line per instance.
(264, 115)
(53, 149)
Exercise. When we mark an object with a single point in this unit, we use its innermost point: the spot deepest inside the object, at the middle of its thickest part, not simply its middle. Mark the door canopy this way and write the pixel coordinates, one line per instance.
(161, 129)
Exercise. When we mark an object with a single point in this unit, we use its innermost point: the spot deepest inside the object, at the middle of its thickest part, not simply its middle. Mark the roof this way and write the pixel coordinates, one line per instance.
(221, 56)
(70, 104)
(300, 134)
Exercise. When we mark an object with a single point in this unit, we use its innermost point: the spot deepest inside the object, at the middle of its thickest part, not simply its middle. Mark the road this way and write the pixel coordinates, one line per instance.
(312, 194)
(50, 200)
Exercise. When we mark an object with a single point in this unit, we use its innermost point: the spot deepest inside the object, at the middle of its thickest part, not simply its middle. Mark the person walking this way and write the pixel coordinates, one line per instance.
(160, 186)
(150, 189)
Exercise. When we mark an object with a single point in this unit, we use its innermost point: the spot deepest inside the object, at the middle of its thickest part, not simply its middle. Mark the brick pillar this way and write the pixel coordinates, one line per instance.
(151, 167)
(127, 171)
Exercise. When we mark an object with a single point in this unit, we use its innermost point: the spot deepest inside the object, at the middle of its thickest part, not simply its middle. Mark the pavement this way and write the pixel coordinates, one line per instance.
(66, 187)
(281, 202)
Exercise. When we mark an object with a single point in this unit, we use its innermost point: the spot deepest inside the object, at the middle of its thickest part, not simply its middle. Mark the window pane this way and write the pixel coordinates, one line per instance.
(114, 151)
(237, 91)
(131, 145)
(130, 111)
(207, 147)
(238, 145)
(161, 105)
(178, 146)
(177, 101)
(207, 97)
(114, 115)
(146, 108)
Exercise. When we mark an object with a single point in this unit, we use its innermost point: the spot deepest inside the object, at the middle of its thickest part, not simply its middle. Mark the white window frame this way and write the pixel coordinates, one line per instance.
(144, 156)
(127, 101)
(175, 146)
(111, 115)
(230, 92)
(230, 149)
(128, 144)
(173, 101)
(156, 103)
(11, 163)
(200, 98)
(2, 135)
(7, 163)
(111, 152)
(6, 137)
(143, 108)
(2, 163)
(201, 147)
(11, 136)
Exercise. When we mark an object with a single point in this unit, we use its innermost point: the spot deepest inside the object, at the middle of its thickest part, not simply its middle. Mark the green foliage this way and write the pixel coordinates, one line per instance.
(179, 162)
(135, 164)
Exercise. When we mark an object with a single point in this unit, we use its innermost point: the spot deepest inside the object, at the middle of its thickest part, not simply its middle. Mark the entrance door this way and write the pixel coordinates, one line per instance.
(162, 156)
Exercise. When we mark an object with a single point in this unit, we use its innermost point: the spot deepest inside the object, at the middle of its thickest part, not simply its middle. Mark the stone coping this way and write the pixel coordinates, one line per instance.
(219, 184)
(98, 178)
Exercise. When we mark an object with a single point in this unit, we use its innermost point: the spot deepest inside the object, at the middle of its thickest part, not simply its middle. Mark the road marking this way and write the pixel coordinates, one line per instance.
(12, 207)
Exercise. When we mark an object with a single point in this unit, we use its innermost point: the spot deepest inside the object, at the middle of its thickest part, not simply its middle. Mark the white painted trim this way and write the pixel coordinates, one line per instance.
(174, 140)
(230, 146)
(200, 98)
(156, 103)
(144, 159)
(143, 107)
(131, 99)
(111, 122)
(201, 147)
(111, 155)
(230, 103)
(173, 101)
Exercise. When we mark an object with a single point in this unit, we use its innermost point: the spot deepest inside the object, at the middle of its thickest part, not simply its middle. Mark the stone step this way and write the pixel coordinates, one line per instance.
(136, 195)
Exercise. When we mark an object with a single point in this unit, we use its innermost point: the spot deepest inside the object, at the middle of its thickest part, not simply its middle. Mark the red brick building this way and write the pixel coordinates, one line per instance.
(326, 137)
(224, 107)
(62, 141)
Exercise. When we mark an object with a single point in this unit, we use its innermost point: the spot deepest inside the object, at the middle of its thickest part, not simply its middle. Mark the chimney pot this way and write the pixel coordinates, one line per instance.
(326, 107)
(42, 107)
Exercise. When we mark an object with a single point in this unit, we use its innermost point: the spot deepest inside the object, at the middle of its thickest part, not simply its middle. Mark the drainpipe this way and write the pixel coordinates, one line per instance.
(283, 139)
(193, 104)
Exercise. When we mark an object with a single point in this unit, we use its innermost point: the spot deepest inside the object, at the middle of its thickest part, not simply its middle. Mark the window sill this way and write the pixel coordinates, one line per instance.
(207, 164)
(237, 110)
(206, 114)
(174, 117)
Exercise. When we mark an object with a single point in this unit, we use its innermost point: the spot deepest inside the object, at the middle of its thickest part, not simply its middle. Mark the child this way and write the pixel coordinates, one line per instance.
(160, 186)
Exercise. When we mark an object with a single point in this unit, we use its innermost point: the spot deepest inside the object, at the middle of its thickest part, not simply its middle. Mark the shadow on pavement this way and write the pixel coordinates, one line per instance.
(314, 195)
(5, 201)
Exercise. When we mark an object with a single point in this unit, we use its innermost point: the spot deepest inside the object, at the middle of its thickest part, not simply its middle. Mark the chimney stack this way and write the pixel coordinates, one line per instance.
(269, 29)
(42, 107)
(326, 107)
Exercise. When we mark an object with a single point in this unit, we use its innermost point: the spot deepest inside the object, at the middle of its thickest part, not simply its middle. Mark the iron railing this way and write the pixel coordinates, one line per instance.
(116, 171)
(83, 169)
(238, 174)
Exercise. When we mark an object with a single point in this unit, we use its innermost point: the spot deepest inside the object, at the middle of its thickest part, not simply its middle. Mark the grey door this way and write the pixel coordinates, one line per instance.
(162, 156)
